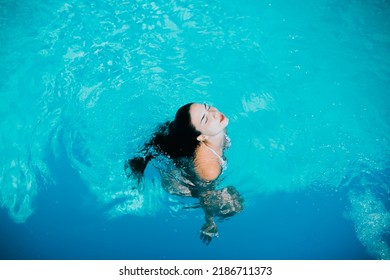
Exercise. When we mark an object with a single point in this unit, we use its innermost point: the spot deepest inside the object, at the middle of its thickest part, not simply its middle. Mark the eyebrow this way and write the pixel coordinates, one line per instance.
(203, 114)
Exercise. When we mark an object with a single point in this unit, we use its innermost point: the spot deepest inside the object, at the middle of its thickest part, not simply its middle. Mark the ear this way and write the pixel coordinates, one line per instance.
(201, 138)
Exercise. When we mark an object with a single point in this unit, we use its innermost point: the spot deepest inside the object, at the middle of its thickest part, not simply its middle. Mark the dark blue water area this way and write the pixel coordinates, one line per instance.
(304, 226)
(301, 233)
(69, 223)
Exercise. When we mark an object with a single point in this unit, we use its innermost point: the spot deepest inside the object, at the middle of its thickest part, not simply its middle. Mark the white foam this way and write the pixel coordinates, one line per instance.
(371, 221)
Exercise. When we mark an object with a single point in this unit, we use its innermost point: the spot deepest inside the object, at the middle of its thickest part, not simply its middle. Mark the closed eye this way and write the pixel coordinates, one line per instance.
(204, 117)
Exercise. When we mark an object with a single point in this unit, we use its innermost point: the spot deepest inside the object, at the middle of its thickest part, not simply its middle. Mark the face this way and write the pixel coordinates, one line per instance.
(207, 119)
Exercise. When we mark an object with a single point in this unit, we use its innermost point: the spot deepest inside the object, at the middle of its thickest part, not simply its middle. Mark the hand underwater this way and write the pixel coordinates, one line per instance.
(208, 231)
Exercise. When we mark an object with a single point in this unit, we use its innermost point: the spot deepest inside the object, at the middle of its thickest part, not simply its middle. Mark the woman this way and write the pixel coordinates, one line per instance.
(195, 140)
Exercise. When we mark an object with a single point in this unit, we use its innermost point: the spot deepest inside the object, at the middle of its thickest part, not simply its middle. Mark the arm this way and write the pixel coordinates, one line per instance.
(209, 228)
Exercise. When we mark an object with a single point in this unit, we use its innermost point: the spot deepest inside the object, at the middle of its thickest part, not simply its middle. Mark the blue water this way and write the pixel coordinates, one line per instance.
(305, 84)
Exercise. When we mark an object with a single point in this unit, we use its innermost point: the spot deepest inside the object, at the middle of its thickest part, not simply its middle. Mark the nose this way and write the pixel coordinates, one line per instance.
(215, 114)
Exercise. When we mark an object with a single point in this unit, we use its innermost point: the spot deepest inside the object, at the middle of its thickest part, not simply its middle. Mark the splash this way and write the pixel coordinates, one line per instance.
(372, 222)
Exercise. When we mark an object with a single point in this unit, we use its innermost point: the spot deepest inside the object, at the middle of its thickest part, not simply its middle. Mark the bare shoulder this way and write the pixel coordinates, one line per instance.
(207, 165)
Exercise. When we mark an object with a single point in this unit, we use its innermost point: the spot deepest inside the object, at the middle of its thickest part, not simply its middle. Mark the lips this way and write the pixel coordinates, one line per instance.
(222, 118)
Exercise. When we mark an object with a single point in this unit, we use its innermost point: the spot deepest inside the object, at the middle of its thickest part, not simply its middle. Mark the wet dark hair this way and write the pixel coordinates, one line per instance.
(175, 139)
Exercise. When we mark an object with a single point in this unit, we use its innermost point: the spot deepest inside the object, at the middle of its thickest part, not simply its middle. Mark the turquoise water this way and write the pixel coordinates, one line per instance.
(306, 87)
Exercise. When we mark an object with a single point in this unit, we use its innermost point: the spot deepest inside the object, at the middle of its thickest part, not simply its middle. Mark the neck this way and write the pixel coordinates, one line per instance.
(216, 142)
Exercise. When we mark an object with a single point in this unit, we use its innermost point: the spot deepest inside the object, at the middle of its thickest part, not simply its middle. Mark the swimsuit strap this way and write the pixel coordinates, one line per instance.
(227, 143)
